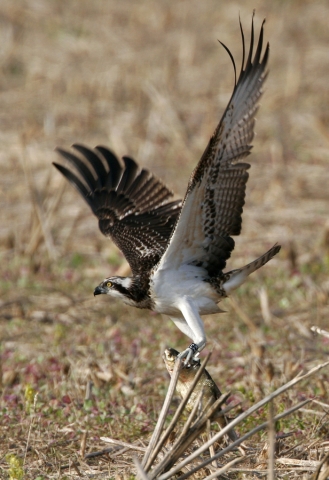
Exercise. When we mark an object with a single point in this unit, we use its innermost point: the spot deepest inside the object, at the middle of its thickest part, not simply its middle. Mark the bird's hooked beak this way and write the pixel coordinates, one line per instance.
(98, 290)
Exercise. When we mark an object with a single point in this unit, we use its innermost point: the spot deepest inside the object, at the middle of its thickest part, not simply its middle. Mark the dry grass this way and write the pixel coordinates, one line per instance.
(149, 79)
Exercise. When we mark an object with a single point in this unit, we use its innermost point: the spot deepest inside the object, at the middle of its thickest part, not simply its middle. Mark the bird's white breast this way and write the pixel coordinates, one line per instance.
(169, 286)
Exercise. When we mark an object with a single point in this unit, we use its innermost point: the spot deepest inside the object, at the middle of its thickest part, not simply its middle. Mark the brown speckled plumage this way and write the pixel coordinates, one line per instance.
(216, 190)
(131, 204)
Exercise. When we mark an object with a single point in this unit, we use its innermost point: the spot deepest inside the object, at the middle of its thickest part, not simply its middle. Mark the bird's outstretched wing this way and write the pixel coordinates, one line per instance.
(215, 196)
(130, 203)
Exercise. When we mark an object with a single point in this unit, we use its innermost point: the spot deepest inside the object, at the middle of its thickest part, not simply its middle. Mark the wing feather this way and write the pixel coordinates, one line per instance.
(113, 165)
(213, 204)
(132, 205)
(94, 160)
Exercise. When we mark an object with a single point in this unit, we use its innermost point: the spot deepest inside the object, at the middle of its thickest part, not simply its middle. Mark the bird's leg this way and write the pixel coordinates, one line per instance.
(180, 322)
(191, 353)
(195, 326)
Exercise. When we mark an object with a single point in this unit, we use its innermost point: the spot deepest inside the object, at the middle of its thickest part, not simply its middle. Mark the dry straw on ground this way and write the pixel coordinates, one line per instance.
(149, 79)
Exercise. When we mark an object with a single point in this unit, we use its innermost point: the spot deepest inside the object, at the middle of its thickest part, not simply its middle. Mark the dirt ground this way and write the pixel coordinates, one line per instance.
(149, 79)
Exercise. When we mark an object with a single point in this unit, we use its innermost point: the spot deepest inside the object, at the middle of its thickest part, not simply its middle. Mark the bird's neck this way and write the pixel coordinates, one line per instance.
(137, 293)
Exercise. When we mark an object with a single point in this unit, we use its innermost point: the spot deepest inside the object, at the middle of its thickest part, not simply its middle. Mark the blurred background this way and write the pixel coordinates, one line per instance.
(149, 79)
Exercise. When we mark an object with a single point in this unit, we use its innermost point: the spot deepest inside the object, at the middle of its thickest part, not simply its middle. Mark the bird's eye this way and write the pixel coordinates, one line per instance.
(109, 284)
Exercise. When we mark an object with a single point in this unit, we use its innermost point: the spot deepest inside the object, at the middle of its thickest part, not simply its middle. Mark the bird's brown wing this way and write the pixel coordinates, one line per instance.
(213, 204)
(131, 204)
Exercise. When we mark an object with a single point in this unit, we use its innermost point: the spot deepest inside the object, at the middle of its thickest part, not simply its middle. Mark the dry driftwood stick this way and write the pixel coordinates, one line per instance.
(271, 443)
(171, 426)
(325, 405)
(140, 470)
(233, 445)
(185, 400)
(297, 462)
(258, 472)
(159, 426)
(167, 459)
(213, 412)
(193, 434)
(211, 448)
(42, 229)
(226, 467)
(123, 444)
(192, 414)
(183, 441)
(318, 470)
(319, 331)
(244, 415)
(83, 443)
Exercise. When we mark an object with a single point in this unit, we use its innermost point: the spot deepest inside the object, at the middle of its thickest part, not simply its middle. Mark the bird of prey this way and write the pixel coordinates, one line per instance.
(177, 250)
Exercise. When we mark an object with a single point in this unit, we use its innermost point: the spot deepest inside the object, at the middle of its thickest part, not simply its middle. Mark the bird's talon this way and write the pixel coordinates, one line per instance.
(189, 354)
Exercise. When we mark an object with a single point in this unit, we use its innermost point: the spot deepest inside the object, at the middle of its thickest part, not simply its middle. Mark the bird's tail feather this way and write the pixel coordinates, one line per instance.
(235, 278)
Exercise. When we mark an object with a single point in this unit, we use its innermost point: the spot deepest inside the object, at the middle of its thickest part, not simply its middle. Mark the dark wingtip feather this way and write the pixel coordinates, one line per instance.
(252, 39)
(266, 54)
(80, 166)
(114, 166)
(129, 174)
(259, 46)
(232, 59)
(256, 60)
(94, 161)
(243, 46)
(74, 180)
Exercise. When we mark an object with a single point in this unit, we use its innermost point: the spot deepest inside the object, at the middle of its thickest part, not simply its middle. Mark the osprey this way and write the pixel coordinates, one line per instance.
(177, 250)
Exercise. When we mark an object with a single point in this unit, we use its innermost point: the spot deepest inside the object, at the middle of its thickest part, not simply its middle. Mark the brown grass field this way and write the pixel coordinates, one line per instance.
(150, 79)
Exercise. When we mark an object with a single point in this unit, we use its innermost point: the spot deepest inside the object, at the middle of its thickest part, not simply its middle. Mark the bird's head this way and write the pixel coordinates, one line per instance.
(118, 287)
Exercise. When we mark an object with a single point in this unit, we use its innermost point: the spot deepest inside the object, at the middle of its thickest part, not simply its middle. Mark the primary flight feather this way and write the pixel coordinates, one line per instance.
(177, 250)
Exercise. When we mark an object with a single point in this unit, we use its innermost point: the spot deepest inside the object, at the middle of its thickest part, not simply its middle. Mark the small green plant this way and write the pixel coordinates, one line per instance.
(29, 395)
(15, 471)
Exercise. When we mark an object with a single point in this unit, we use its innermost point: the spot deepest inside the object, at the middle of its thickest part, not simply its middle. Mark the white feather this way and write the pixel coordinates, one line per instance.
(235, 281)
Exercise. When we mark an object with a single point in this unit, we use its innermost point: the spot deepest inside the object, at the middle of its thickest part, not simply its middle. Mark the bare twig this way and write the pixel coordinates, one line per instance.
(192, 414)
(163, 413)
(123, 444)
(319, 331)
(229, 448)
(211, 448)
(89, 388)
(244, 415)
(258, 472)
(271, 443)
(324, 475)
(298, 462)
(42, 229)
(140, 470)
(83, 444)
(178, 412)
(184, 441)
(264, 305)
(32, 417)
(224, 469)
(316, 475)
(317, 402)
